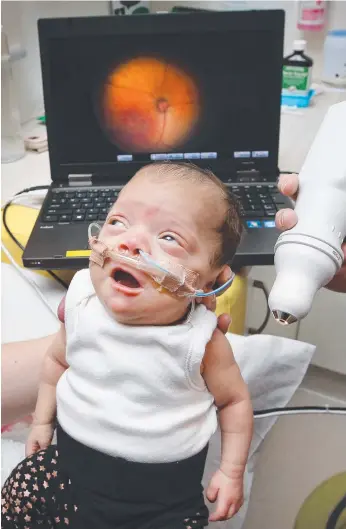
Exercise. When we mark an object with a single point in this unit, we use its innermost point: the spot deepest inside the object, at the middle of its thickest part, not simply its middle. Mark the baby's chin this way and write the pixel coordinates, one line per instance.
(144, 309)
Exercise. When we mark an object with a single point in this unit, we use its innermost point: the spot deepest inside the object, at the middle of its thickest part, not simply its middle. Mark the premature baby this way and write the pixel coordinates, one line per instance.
(138, 377)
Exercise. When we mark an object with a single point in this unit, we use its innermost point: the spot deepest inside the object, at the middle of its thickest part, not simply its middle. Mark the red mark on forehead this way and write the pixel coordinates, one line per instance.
(151, 211)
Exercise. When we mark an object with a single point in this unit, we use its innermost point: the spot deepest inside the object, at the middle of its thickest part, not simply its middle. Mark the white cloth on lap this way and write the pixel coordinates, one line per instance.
(24, 314)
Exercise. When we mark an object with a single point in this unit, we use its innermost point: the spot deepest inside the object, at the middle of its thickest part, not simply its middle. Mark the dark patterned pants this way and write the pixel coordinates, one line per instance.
(37, 494)
(71, 485)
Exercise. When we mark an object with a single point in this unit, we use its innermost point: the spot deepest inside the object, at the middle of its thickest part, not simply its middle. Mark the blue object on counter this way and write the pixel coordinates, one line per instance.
(297, 100)
(337, 32)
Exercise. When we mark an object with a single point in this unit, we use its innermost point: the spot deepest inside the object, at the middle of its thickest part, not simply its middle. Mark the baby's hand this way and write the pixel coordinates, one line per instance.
(40, 437)
(229, 495)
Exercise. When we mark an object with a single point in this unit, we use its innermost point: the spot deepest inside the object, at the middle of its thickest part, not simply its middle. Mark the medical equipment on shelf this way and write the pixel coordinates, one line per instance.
(308, 256)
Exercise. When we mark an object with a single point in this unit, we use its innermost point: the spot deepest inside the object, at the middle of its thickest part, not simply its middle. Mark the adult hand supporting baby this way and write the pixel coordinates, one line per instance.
(287, 218)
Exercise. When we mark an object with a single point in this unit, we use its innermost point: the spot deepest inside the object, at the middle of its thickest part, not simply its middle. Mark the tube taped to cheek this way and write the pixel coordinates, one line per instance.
(167, 274)
(172, 276)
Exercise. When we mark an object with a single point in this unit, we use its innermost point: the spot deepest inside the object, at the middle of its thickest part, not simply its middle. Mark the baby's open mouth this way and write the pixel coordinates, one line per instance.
(125, 278)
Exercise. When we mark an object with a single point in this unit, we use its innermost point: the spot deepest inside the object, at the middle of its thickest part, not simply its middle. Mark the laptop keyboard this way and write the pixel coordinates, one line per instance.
(81, 205)
(258, 201)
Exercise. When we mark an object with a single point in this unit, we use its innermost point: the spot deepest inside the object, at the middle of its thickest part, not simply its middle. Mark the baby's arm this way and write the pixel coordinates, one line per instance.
(223, 379)
(54, 365)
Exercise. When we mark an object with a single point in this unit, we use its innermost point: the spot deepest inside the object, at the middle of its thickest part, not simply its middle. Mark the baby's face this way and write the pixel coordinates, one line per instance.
(166, 217)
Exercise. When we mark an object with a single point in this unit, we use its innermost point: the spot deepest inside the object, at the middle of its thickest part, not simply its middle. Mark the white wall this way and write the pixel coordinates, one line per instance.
(19, 20)
(336, 20)
(296, 457)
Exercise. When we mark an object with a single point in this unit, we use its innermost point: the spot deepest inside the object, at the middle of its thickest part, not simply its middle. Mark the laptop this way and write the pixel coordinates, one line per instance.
(104, 75)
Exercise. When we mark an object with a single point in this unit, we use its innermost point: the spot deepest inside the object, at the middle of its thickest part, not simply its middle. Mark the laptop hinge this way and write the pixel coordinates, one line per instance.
(78, 180)
(248, 175)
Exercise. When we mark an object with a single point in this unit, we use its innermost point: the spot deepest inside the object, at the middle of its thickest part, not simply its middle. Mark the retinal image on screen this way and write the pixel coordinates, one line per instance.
(150, 97)
(150, 105)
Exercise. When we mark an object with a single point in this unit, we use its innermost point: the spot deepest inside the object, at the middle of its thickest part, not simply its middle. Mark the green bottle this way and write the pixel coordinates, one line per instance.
(296, 71)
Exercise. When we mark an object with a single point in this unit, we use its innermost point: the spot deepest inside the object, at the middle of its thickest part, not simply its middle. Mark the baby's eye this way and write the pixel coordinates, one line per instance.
(116, 222)
(169, 238)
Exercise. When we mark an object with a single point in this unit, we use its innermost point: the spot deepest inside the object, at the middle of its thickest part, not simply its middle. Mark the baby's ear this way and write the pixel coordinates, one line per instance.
(223, 276)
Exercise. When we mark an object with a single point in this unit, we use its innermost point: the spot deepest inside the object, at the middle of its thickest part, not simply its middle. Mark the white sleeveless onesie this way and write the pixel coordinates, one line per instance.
(134, 392)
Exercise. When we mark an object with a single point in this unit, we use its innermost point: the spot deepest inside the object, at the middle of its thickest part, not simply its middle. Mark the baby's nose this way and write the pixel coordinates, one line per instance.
(134, 243)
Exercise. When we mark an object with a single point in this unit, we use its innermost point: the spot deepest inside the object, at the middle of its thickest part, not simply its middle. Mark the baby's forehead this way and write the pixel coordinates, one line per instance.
(189, 196)
(189, 182)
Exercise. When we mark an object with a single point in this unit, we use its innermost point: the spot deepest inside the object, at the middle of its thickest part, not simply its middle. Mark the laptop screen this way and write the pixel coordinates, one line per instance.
(210, 97)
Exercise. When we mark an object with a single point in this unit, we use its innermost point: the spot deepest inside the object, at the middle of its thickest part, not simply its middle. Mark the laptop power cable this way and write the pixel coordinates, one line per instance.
(15, 240)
